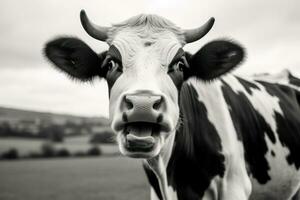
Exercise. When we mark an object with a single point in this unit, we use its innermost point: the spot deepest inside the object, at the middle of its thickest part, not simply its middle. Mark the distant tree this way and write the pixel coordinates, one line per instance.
(79, 154)
(94, 151)
(57, 136)
(5, 129)
(48, 150)
(54, 133)
(10, 154)
(34, 155)
(63, 153)
(106, 136)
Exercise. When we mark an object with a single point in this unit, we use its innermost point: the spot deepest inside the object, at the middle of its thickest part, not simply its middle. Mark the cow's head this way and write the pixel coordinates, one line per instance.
(145, 67)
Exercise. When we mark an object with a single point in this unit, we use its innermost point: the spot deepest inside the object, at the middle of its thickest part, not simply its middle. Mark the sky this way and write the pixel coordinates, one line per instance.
(269, 30)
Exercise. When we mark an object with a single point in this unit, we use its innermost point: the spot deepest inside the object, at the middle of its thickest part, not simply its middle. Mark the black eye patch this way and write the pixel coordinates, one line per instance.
(174, 72)
(114, 54)
(112, 73)
(178, 56)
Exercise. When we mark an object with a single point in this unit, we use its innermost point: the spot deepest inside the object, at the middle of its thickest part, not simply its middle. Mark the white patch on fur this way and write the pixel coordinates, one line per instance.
(280, 78)
(235, 184)
(145, 68)
(172, 194)
(262, 102)
(158, 166)
(145, 25)
(284, 178)
(153, 195)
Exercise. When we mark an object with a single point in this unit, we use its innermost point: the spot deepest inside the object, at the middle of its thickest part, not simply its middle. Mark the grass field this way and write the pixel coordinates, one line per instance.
(115, 178)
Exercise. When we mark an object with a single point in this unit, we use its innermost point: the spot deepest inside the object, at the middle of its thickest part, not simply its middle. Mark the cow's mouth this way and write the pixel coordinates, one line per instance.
(140, 136)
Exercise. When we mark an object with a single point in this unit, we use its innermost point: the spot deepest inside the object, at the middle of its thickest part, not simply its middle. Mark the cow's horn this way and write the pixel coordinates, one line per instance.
(192, 35)
(97, 32)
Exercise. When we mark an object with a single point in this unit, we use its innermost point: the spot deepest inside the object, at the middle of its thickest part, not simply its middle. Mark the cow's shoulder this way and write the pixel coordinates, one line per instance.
(265, 111)
(197, 155)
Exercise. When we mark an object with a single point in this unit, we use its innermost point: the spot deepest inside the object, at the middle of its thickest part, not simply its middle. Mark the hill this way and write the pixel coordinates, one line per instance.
(34, 124)
(12, 114)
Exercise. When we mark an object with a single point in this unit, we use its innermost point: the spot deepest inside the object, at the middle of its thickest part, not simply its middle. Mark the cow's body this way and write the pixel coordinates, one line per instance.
(202, 134)
(239, 130)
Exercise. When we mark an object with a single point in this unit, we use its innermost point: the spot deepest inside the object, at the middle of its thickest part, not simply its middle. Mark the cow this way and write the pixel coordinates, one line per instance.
(201, 132)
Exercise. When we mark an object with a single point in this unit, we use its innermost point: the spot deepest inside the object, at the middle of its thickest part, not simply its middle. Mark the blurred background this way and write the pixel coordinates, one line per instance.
(55, 140)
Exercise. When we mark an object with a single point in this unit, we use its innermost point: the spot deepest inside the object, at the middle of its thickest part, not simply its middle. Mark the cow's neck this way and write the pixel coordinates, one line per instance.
(193, 158)
(159, 165)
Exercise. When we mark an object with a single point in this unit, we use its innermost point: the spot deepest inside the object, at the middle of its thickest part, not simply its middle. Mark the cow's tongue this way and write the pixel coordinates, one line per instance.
(140, 136)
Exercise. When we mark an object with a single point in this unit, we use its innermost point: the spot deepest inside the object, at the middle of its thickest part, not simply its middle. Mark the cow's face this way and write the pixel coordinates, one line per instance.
(144, 90)
(144, 66)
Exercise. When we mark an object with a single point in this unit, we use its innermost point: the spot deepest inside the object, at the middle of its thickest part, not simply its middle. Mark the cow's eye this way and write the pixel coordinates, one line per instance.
(177, 66)
(110, 65)
(180, 66)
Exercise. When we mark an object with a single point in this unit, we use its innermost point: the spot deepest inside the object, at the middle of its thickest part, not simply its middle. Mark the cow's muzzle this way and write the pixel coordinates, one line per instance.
(142, 122)
(143, 108)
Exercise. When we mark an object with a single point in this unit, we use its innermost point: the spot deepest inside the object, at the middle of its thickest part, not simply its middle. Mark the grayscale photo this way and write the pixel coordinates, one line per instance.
(149, 100)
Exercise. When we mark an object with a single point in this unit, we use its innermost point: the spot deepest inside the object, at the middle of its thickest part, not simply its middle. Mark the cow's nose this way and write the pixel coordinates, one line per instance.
(142, 107)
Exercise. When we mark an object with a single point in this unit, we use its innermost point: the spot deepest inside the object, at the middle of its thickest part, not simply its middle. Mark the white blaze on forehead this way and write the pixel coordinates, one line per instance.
(146, 39)
(145, 60)
(147, 45)
(145, 26)
(155, 50)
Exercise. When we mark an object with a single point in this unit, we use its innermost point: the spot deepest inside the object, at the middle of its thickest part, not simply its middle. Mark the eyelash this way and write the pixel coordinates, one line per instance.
(179, 63)
(113, 64)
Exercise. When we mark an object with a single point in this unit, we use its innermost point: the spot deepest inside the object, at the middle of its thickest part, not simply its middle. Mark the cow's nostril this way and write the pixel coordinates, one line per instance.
(124, 117)
(143, 107)
(157, 104)
(160, 118)
(128, 103)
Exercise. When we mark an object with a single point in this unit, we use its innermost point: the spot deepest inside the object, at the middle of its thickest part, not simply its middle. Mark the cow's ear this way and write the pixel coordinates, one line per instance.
(215, 59)
(74, 57)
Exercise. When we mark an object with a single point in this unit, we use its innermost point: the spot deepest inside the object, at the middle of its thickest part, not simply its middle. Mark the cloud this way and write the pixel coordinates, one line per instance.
(48, 90)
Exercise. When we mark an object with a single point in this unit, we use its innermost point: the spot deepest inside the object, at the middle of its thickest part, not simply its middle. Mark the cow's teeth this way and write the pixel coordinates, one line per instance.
(140, 131)
(145, 139)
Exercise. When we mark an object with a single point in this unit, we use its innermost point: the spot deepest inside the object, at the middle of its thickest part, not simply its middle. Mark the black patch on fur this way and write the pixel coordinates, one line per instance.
(177, 77)
(272, 153)
(114, 53)
(148, 44)
(247, 85)
(112, 74)
(288, 124)
(153, 181)
(215, 59)
(74, 57)
(175, 71)
(251, 128)
(178, 56)
(196, 157)
(294, 80)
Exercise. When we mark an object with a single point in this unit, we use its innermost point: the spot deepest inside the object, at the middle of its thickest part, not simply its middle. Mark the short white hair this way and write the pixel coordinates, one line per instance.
(145, 23)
